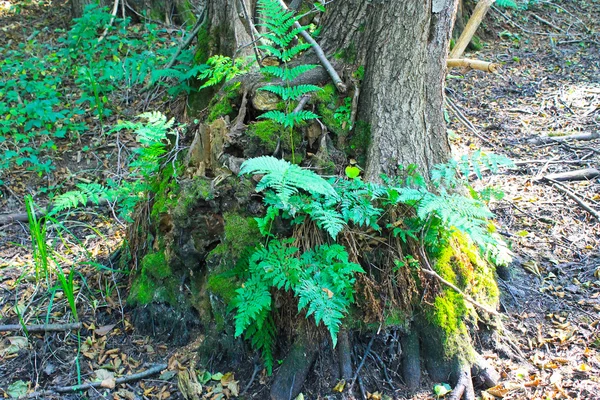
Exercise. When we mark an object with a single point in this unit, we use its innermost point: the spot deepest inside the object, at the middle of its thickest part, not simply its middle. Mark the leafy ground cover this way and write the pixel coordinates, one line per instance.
(548, 86)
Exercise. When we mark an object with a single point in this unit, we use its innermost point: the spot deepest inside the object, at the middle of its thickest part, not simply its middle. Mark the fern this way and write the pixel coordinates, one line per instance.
(285, 179)
(75, 198)
(322, 279)
(281, 31)
(291, 92)
(289, 120)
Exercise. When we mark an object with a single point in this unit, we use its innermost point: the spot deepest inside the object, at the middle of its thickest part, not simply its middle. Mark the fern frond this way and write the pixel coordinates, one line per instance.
(329, 220)
(76, 198)
(291, 119)
(285, 178)
(288, 74)
(291, 92)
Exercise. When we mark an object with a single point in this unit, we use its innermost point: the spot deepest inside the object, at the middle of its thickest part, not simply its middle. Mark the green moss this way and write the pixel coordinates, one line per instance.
(328, 94)
(142, 291)
(460, 263)
(265, 134)
(220, 109)
(156, 266)
(195, 189)
(223, 286)
(166, 194)
(240, 233)
(359, 142)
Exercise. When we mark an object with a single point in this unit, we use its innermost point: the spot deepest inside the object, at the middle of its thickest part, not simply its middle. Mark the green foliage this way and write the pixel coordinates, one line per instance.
(151, 131)
(343, 114)
(39, 103)
(219, 68)
(280, 34)
(322, 279)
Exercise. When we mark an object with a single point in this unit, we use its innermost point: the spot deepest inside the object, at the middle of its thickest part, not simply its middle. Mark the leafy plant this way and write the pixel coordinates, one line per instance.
(280, 35)
(151, 129)
(220, 68)
(322, 278)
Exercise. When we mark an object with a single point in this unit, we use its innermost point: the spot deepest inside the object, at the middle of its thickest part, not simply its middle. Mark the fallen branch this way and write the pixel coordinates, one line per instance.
(319, 51)
(463, 41)
(431, 272)
(561, 188)
(41, 328)
(578, 175)
(113, 15)
(576, 136)
(6, 219)
(76, 388)
(473, 64)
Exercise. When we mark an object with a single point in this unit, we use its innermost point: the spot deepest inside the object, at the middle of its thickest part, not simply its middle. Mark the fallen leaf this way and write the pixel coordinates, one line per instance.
(103, 330)
(108, 383)
(17, 389)
(340, 386)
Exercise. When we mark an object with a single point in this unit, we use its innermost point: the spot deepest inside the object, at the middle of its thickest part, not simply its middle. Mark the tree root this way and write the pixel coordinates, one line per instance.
(411, 364)
(464, 386)
(483, 373)
(296, 366)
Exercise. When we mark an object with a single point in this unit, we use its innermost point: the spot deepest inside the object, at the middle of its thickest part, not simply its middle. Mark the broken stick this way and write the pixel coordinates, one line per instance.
(76, 388)
(339, 84)
(41, 328)
(473, 64)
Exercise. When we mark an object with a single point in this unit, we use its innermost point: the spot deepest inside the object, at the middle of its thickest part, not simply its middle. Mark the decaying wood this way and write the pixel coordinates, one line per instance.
(483, 373)
(339, 84)
(76, 388)
(479, 13)
(6, 219)
(562, 188)
(464, 386)
(41, 328)
(473, 64)
(576, 136)
(578, 175)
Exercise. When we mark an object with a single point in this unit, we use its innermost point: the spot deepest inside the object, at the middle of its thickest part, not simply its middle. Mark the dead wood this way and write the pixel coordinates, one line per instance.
(41, 328)
(576, 136)
(76, 388)
(483, 373)
(339, 84)
(6, 219)
(578, 175)
(582, 203)
(464, 386)
(344, 351)
(479, 13)
(472, 64)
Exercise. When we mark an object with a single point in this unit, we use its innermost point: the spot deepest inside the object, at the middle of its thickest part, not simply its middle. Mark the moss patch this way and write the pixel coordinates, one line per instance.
(154, 282)
(194, 190)
(459, 262)
(359, 142)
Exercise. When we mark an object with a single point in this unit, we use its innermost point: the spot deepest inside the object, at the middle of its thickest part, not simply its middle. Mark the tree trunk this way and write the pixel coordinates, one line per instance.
(202, 227)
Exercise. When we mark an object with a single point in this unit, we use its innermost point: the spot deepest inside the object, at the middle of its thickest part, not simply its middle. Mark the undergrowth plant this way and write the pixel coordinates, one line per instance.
(47, 89)
(322, 278)
(281, 47)
(151, 129)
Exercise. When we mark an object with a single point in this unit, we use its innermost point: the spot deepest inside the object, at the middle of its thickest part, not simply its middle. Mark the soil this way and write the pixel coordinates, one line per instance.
(548, 86)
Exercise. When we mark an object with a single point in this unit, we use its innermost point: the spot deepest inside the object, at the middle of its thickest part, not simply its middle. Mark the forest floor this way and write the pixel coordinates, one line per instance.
(548, 87)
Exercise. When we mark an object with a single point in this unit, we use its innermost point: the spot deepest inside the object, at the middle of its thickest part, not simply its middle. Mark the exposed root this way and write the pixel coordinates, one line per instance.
(344, 351)
(483, 373)
(296, 366)
(464, 386)
(411, 365)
